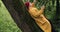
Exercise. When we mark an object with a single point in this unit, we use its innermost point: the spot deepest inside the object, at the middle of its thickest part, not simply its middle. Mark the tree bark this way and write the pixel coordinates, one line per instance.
(21, 16)
(57, 12)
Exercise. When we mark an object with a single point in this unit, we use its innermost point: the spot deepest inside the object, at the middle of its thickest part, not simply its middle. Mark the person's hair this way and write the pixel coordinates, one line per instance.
(27, 4)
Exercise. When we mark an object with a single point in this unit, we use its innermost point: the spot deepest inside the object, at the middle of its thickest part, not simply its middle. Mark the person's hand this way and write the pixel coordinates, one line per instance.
(32, 4)
(43, 7)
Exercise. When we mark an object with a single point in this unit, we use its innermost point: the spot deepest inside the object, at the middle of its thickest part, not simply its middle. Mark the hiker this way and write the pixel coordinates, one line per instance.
(38, 16)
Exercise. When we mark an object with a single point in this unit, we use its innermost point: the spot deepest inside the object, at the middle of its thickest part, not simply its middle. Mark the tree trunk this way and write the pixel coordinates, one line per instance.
(21, 16)
(57, 14)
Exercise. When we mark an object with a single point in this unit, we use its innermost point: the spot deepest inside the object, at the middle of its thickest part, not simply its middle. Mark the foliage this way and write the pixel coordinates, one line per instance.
(7, 23)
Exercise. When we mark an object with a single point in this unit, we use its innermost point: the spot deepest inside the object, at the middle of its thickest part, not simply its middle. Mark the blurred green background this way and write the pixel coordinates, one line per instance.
(7, 24)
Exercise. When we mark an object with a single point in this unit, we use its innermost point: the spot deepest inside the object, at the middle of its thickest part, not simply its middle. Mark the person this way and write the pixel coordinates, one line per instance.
(39, 17)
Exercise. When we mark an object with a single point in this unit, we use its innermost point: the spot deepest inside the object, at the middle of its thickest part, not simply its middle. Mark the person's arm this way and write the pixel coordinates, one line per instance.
(34, 11)
(42, 9)
(33, 3)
